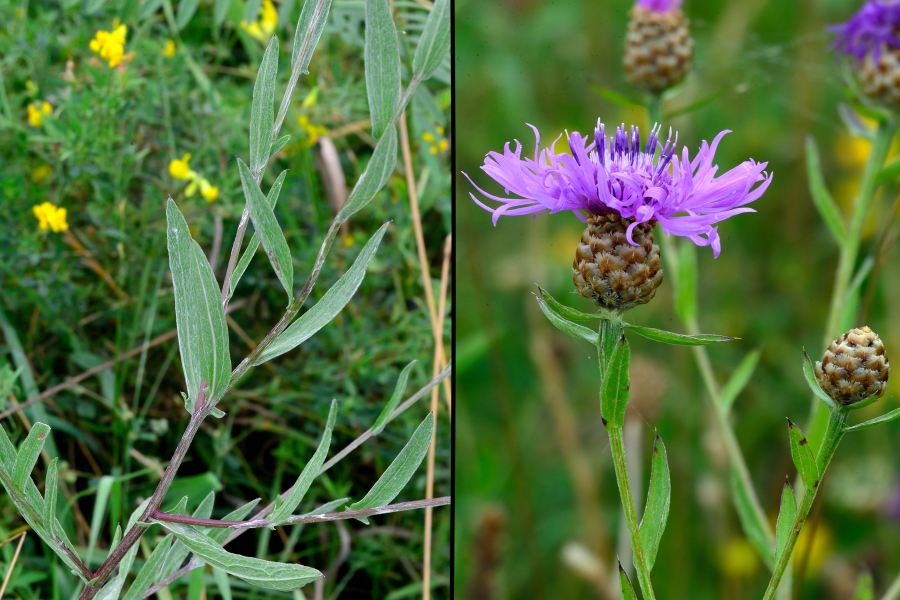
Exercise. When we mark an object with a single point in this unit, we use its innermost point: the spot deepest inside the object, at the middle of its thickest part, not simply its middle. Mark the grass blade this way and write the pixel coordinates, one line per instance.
(820, 195)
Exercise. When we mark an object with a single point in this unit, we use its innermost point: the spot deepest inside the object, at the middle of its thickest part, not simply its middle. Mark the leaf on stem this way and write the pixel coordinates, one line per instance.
(568, 312)
(262, 108)
(756, 529)
(29, 451)
(802, 456)
(150, 571)
(786, 516)
(565, 325)
(399, 389)
(738, 381)
(50, 493)
(628, 592)
(376, 175)
(885, 418)
(310, 26)
(186, 10)
(434, 44)
(678, 339)
(614, 390)
(810, 376)
(382, 65)
(656, 511)
(820, 195)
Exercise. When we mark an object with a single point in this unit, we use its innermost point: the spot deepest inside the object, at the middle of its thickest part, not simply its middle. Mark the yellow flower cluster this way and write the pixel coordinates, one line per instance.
(110, 45)
(180, 168)
(169, 49)
(37, 111)
(263, 28)
(436, 143)
(311, 131)
(50, 217)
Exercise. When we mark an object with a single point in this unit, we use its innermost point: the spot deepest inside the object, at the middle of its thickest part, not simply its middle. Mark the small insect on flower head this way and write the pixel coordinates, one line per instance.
(872, 37)
(658, 45)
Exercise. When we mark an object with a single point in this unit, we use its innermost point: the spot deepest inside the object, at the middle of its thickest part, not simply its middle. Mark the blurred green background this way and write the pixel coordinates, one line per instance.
(536, 506)
(72, 300)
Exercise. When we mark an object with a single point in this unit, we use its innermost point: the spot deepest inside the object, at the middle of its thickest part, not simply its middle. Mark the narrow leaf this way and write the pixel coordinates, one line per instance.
(656, 511)
(566, 326)
(885, 418)
(7, 450)
(310, 26)
(29, 451)
(260, 573)
(819, 191)
(334, 300)
(382, 64)
(220, 11)
(810, 376)
(279, 144)
(757, 530)
(889, 173)
(738, 381)
(614, 390)
(50, 493)
(186, 10)
(149, 573)
(398, 474)
(399, 389)
(310, 471)
(678, 339)
(434, 43)
(238, 514)
(628, 592)
(786, 515)
(376, 175)
(199, 316)
(802, 456)
(568, 312)
(268, 230)
(262, 109)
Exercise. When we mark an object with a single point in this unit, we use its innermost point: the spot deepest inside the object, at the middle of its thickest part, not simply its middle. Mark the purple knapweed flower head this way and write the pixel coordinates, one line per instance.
(874, 26)
(602, 175)
(659, 5)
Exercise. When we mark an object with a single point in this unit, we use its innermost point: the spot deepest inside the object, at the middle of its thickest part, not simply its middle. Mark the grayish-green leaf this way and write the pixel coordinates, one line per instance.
(269, 231)
(809, 375)
(150, 571)
(628, 592)
(237, 514)
(310, 26)
(199, 316)
(221, 579)
(656, 511)
(757, 530)
(220, 11)
(7, 451)
(382, 65)
(262, 109)
(398, 474)
(565, 325)
(251, 10)
(885, 418)
(50, 493)
(802, 456)
(786, 515)
(614, 389)
(261, 573)
(376, 175)
(738, 381)
(186, 10)
(253, 246)
(331, 303)
(279, 144)
(819, 191)
(686, 283)
(434, 44)
(29, 451)
(678, 339)
(148, 8)
(307, 476)
(399, 389)
(567, 312)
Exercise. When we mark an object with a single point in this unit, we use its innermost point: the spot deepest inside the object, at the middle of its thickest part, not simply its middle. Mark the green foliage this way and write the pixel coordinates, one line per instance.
(262, 111)
(659, 495)
(615, 384)
(787, 513)
(802, 455)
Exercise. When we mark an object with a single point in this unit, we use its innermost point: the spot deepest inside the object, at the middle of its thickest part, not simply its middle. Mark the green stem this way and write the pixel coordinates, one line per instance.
(893, 592)
(833, 434)
(617, 449)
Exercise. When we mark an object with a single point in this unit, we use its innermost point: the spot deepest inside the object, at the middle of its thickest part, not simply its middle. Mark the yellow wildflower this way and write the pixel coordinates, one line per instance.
(50, 217)
(209, 192)
(179, 167)
(41, 173)
(312, 132)
(110, 45)
(37, 111)
(263, 28)
(169, 49)
(437, 143)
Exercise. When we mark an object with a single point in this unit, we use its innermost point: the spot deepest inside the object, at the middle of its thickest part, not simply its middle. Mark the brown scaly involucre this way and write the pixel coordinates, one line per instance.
(881, 79)
(607, 268)
(658, 49)
(854, 367)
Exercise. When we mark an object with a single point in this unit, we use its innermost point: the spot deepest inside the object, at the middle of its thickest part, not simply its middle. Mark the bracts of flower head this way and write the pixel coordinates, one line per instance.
(854, 367)
(620, 189)
(658, 45)
(872, 37)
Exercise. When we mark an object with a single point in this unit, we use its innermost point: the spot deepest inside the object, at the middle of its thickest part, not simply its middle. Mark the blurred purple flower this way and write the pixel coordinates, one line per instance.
(614, 174)
(659, 5)
(873, 26)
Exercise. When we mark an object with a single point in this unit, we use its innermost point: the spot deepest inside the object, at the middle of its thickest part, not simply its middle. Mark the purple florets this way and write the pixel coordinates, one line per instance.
(615, 174)
(659, 5)
(874, 26)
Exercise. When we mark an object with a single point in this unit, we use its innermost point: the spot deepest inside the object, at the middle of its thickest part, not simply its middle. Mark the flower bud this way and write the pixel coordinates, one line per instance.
(617, 274)
(658, 45)
(854, 367)
(880, 76)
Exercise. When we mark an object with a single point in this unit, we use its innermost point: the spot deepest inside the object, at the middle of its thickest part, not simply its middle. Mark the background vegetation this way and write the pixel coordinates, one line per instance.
(72, 300)
(537, 512)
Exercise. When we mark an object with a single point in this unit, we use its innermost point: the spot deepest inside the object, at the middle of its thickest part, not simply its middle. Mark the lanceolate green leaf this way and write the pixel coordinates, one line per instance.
(237, 514)
(678, 339)
(268, 229)
(738, 380)
(253, 246)
(628, 592)
(567, 312)
(149, 572)
(199, 316)
(382, 65)
(394, 400)
(564, 325)
(377, 173)
(260, 573)
(614, 390)
(819, 192)
(307, 476)
(786, 515)
(186, 10)
(434, 45)
(398, 474)
(50, 493)
(29, 451)
(802, 456)
(885, 418)
(656, 512)
(757, 530)
(262, 109)
(310, 26)
(810, 376)
(334, 300)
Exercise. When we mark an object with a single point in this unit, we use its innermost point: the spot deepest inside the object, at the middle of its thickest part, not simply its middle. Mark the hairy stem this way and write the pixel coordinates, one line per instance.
(833, 434)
